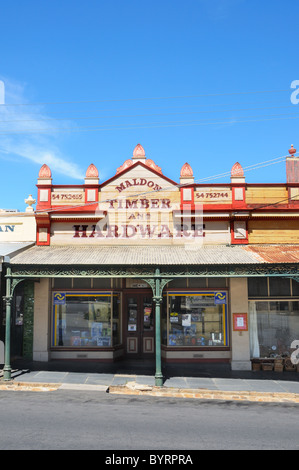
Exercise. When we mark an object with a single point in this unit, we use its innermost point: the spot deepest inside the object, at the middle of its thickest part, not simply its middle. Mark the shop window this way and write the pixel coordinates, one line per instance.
(164, 320)
(273, 326)
(197, 319)
(116, 327)
(279, 287)
(85, 319)
(257, 287)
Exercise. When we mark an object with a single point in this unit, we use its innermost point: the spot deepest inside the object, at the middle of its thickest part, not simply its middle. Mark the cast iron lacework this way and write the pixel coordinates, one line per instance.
(286, 270)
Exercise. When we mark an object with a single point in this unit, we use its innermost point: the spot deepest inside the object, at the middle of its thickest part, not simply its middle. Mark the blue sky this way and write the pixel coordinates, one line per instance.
(202, 81)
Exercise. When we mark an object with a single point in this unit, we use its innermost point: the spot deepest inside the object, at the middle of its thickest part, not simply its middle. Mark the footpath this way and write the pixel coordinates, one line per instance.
(204, 384)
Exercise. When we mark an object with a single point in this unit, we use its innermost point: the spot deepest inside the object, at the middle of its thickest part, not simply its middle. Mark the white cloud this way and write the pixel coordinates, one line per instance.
(22, 135)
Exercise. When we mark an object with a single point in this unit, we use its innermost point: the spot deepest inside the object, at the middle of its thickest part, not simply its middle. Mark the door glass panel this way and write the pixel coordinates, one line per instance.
(148, 317)
(132, 314)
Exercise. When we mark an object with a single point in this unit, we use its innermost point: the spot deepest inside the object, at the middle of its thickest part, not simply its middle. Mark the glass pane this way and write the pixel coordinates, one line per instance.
(273, 327)
(178, 282)
(197, 320)
(132, 313)
(164, 320)
(148, 314)
(218, 282)
(61, 283)
(279, 286)
(257, 287)
(82, 320)
(197, 283)
(99, 283)
(295, 288)
(81, 283)
(116, 327)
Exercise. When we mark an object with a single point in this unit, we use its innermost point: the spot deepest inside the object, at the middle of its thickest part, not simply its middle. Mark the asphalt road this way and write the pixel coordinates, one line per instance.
(74, 420)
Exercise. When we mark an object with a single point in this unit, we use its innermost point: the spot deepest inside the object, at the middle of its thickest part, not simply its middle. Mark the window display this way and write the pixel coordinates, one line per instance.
(195, 319)
(86, 319)
(274, 325)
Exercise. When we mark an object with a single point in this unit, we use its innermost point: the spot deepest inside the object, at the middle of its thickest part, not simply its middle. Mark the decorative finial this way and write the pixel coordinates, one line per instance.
(138, 151)
(292, 151)
(186, 170)
(92, 171)
(44, 172)
(30, 201)
(237, 170)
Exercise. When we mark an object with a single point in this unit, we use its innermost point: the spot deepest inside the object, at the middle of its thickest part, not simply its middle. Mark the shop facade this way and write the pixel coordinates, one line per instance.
(140, 266)
(17, 233)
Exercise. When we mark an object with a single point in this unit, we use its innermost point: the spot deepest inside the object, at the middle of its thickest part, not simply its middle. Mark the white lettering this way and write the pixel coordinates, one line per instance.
(295, 354)
(115, 460)
(170, 459)
(294, 95)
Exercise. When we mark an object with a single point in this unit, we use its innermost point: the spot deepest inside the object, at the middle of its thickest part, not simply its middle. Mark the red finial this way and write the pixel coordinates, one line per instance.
(237, 170)
(292, 150)
(138, 151)
(186, 170)
(44, 172)
(92, 171)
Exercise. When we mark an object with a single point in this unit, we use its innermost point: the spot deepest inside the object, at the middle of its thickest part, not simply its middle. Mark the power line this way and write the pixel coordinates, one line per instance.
(148, 98)
(144, 115)
(229, 120)
(18, 112)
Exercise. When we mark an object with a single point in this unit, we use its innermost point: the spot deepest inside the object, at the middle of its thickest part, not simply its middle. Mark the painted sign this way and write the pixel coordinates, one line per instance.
(7, 228)
(59, 298)
(220, 298)
(67, 197)
(213, 195)
(138, 182)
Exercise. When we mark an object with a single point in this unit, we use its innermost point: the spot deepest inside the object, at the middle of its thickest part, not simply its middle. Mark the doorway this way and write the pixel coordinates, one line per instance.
(139, 324)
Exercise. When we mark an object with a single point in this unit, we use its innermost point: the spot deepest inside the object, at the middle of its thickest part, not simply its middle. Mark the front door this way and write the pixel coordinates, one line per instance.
(139, 324)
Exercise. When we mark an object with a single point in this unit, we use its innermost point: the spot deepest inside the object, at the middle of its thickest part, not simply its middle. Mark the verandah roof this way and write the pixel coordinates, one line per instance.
(157, 255)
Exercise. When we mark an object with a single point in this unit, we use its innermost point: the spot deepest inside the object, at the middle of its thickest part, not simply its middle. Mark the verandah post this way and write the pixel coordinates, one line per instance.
(158, 300)
(8, 301)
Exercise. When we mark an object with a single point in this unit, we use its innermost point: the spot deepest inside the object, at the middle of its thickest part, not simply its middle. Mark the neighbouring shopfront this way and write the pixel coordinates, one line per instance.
(140, 266)
(17, 233)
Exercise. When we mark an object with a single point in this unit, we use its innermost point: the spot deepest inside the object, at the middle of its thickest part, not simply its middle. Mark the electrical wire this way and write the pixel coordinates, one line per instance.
(148, 98)
(229, 120)
(143, 115)
(28, 112)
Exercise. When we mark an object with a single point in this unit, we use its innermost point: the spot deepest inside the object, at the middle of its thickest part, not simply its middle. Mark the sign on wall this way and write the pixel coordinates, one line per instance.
(240, 322)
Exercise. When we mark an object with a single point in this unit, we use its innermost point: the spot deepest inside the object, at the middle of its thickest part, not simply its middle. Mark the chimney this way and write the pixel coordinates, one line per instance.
(292, 166)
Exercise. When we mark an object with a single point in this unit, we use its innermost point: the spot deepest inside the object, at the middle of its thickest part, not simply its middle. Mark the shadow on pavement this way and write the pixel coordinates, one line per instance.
(146, 367)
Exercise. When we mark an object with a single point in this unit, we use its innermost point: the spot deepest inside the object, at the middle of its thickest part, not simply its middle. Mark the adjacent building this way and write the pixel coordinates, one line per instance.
(17, 233)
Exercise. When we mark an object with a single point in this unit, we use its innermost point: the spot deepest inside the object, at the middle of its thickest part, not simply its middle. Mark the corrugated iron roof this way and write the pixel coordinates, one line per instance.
(135, 255)
(11, 248)
(274, 253)
(158, 255)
